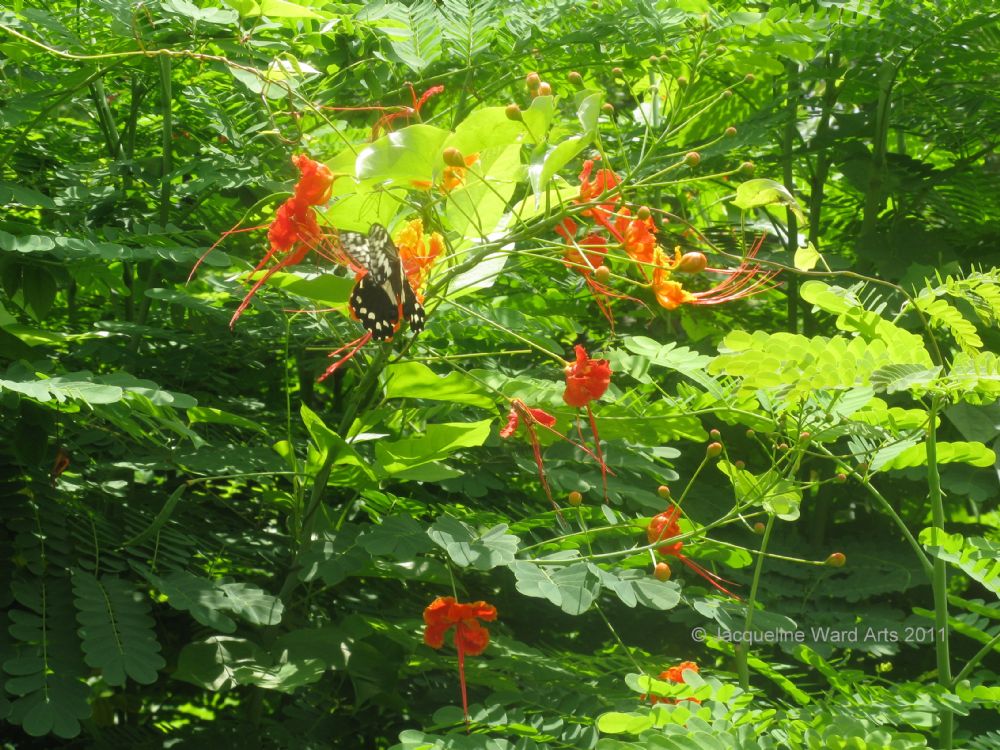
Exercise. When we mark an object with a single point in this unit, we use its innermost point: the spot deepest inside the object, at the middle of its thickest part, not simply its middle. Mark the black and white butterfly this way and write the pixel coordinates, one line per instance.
(383, 295)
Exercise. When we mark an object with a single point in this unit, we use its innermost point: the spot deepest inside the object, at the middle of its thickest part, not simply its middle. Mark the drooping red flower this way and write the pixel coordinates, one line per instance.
(586, 379)
(637, 236)
(294, 230)
(674, 674)
(445, 613)
(665, 526)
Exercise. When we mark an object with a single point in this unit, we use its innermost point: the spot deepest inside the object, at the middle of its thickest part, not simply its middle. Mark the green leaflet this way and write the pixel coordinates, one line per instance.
(116, 629)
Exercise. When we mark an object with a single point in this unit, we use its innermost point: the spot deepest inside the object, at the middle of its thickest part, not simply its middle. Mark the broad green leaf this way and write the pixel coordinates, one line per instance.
(252, 603)
(975, 454)
(403, 157)
(572, 588)
(537, 117)
(773, 492)
(466, 548)
(485, 127)
(400, 537)
(807, 257)
(273, 9)
(437, 442)
(417, 380)
(763, 192)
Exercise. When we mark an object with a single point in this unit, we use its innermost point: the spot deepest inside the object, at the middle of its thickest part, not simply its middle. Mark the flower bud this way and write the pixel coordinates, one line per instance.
(747, 167)
(740, 464)
(608, 108)
(693, 262)
(730, 131)
(759, 527)
(721, 49)
(804, 437)
(782, 446)
(653, 60)
(617, 72)
(533, 81)
(513, 112)
(692, 159)
(749, 78)
(642, 213)
(840, 478)
(453, 157)
(727, 93)
(661, 572)
(713, 450)
(836, 560)
(715, 434)
(602, 274)
(682, 81)
(663, 491)
(575, 78)
(574, 498)
(664, 59)
(544, 89)
(750, 434)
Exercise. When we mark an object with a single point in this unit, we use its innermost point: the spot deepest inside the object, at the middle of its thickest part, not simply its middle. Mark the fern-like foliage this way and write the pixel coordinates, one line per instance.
(469, 26)
(45, 675)
(414, 31)
(116, 629)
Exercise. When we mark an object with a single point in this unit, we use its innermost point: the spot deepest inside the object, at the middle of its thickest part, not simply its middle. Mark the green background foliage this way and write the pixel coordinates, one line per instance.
(204, 545)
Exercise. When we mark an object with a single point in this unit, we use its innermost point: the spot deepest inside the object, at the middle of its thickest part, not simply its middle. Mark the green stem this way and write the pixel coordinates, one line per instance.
(940, 579)
(974, 661)
(743, 648)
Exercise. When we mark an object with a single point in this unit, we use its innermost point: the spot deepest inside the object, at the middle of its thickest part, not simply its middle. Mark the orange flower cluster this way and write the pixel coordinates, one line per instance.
(636, 234)
(418, 253)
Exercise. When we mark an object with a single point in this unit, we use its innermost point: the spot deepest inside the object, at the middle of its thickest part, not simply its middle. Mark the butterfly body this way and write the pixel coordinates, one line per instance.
(382, 296)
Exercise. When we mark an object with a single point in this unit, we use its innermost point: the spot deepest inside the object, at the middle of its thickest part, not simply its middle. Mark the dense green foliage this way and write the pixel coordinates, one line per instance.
(205, 544)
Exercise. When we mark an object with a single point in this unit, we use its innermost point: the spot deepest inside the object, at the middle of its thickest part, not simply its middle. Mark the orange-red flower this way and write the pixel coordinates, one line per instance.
(445, 613)
(593, 187)
(636, 236)
(665, 526)
(586, 254)
(743, 281)
(294, 230)
(675, 674)
(418, 252)
(586, 379)
(454, 177)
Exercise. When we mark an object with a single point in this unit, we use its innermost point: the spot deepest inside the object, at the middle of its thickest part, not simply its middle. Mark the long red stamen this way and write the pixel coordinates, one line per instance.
(354, 346)
(709, 576)
(235, 230)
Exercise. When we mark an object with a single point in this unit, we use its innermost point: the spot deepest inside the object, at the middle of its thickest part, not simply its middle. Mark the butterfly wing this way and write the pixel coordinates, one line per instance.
(383, 294)
(374, 308)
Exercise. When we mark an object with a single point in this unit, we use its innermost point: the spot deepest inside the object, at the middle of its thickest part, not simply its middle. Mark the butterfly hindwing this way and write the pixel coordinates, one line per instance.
(374, 308)
(383, 293)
